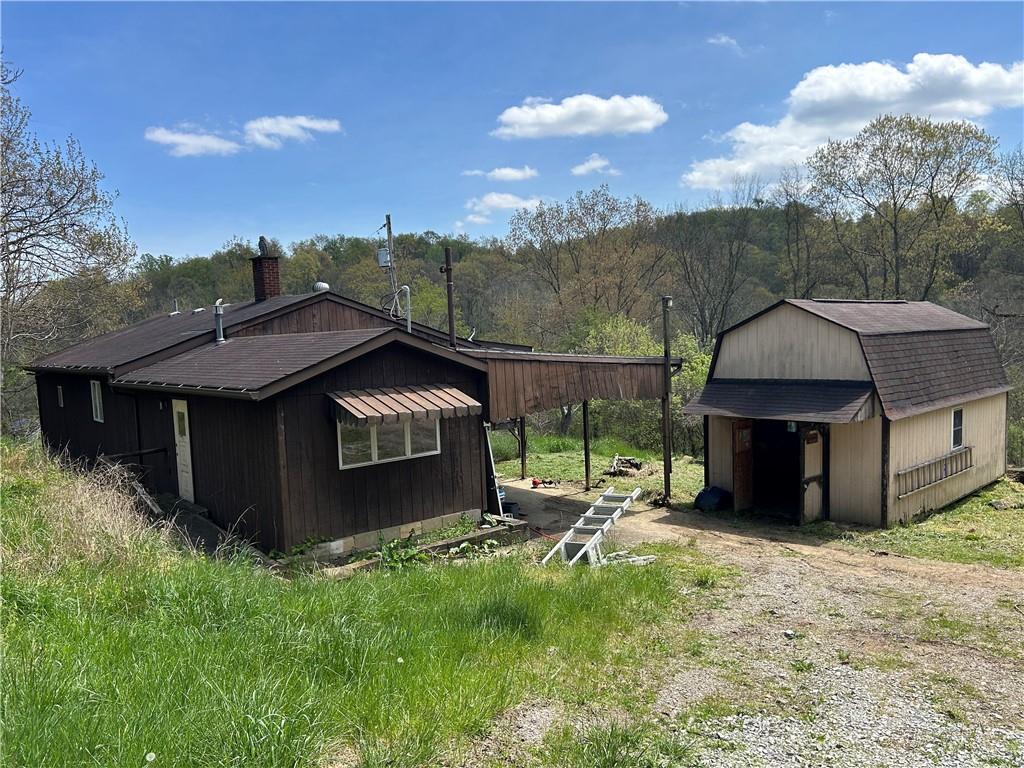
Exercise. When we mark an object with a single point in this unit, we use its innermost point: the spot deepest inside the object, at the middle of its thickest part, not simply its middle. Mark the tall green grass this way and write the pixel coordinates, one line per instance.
(117, 644)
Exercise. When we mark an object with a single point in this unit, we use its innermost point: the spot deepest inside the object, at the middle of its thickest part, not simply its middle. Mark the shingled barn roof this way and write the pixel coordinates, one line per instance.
(920, 356)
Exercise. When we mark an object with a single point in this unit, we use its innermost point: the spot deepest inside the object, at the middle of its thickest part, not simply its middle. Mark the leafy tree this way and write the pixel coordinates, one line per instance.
(64, 256)
(891, 192)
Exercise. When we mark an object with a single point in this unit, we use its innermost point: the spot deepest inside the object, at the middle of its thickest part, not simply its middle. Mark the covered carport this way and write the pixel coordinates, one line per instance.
(521, 383)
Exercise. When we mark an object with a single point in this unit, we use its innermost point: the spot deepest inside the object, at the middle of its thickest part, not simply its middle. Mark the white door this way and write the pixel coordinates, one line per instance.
(183, 449)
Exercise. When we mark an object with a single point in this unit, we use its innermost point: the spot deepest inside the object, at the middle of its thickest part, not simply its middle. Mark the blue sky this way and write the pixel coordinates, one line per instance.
(222, 120)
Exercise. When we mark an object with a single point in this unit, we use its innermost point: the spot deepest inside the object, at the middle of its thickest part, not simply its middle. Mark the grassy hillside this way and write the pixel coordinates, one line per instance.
(119, 645)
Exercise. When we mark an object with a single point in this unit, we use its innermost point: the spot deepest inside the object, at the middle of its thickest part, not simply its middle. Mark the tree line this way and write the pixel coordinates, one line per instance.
(909, 208)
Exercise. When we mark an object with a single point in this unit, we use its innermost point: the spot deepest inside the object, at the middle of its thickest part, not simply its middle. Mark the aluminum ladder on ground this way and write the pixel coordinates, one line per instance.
(584, 538)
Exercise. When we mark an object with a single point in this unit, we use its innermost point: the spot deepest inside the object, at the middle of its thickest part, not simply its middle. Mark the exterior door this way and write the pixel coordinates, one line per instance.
(183, 449)
(742, 464)
(811, 501)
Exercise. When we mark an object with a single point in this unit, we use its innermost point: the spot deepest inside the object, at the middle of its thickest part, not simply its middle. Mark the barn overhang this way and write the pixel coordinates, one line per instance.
(821, 401)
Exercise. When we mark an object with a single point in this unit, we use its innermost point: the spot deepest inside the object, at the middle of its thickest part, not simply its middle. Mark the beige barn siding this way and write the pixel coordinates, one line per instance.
(927, 436)
(720, 451)
(855, 472)
(789, 343)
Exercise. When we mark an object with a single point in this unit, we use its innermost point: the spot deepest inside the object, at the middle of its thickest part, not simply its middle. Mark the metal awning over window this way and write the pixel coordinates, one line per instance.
(389, 405)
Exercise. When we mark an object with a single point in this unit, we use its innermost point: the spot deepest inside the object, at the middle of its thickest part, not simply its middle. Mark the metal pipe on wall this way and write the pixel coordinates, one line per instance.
(666, 400)
(450, 285)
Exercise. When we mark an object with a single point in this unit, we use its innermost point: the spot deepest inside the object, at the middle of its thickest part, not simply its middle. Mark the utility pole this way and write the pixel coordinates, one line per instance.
(391, 304)
(666, 401)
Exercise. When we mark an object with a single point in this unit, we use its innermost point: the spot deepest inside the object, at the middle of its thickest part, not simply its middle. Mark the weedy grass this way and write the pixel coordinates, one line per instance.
(641, 745)
(564, 463)
(970, 531)
(119, 644)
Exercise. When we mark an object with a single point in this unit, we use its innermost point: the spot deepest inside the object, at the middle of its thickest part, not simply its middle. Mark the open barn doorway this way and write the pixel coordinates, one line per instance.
(775, 449)
(780, 469)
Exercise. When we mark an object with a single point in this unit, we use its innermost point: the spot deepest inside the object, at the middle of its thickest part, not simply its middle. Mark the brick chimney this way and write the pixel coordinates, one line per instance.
(266, 276)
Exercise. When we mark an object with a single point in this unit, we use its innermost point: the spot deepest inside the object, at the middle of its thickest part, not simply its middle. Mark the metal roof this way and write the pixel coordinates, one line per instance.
(157, 334)
(782, 400)
(396, 404)
(247, 363)
(149, 340)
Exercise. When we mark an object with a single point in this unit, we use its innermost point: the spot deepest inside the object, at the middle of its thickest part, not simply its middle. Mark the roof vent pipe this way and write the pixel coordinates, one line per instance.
(218, 319)
(408, 307)
(320, 286)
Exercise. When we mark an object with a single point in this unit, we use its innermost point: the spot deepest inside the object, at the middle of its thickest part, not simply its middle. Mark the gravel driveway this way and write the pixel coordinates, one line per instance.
(823, 656)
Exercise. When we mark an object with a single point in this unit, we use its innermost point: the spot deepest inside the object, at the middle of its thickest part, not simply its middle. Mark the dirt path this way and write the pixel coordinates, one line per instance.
(826, 656)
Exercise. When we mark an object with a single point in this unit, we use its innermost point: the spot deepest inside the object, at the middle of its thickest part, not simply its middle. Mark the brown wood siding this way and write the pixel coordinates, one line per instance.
(918, 439)
(127, 417)
(519, 387)
(235, 467)
(321, 500)
(322, 316)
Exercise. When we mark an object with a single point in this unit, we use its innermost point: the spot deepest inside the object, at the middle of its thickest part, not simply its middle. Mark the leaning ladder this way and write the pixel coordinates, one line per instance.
(584, 538)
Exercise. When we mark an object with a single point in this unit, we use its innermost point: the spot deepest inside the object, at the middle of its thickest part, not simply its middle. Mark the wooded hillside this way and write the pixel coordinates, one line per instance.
(908, 208)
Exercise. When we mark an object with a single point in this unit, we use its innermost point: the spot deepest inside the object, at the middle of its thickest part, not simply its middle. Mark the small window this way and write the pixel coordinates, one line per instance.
(182, 420)
(359, 446)
(60, 396)
(958, 428)
(97, 400)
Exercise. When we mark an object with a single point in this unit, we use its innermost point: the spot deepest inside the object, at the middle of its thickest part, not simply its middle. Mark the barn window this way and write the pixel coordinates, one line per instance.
(958, 428)
(97, 400)
(359, 446)
(60, 396)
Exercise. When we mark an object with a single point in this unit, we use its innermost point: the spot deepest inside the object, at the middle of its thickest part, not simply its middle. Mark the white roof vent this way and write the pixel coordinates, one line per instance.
(197, 310)
(320, 286)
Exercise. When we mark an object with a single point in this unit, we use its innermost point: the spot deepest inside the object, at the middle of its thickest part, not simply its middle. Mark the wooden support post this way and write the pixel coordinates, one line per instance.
(522, 447)
(586, 445)
(666, 400)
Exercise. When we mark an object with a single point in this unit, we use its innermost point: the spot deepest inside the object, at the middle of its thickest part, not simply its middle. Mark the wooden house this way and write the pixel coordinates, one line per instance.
(312, 416)
(868, 412)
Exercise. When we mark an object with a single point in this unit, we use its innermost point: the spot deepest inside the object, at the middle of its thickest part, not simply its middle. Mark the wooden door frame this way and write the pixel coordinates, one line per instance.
(736, 424)
(822, 479)
(191, 453)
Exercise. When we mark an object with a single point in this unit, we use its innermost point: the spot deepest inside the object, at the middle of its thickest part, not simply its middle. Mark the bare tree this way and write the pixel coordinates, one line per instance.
(805, 240)
(59, 241)
(710, 249)
(595, 251)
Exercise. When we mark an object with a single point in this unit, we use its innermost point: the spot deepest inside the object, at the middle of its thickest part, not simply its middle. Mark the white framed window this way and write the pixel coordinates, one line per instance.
(957, 429)
(97, 400)
(360, 446)
(60, 396)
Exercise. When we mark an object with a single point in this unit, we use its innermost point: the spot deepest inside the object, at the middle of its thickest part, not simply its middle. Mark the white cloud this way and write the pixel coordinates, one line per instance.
(500, 201)
(190, 143)
(481, 208)
(836, 101)
(595, 164)
(581, 115)
(725, 42)
(506, 174)
(189, 140)
(271, 132)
